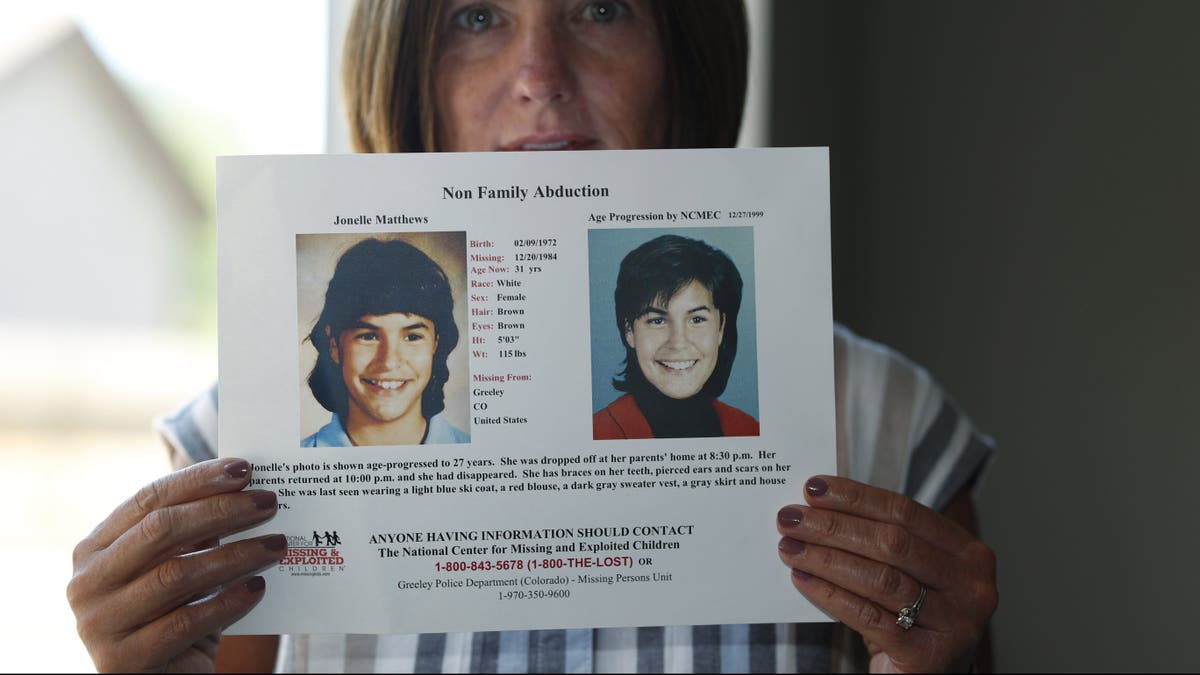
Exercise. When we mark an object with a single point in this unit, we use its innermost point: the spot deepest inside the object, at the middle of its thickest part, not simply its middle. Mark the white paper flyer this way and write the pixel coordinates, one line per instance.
(526, 390)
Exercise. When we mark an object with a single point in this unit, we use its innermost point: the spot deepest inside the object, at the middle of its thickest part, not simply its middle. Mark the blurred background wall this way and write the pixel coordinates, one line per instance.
(1015, 207)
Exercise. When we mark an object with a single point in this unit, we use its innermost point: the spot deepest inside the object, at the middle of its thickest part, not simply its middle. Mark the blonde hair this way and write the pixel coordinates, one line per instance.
(391, 46)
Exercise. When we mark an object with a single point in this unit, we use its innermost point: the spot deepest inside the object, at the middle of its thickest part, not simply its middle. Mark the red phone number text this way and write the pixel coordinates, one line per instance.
(591, 562)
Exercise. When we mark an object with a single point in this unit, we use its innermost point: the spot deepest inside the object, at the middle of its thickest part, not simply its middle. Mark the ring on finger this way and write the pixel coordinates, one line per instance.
(906, 618)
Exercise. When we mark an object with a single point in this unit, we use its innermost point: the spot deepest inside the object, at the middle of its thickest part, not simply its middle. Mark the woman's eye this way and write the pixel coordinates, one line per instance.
(414, 337)
(476, 18)
(699, 319)
(366, 337)
(604, 11)
(655, 321)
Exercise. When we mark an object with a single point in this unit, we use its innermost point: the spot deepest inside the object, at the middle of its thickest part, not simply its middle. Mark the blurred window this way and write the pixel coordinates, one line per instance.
(261, 66)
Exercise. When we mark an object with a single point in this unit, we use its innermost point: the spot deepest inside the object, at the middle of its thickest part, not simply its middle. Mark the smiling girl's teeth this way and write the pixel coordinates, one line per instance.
(386, 384)
(678, 365)
(556, 145)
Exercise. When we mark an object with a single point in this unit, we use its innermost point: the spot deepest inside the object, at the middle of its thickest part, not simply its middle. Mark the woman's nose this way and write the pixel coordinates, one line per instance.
(544, 73)
(678, 337)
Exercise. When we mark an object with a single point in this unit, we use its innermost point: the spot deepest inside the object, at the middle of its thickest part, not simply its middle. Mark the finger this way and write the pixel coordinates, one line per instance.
(872, 503)
(205, 479)
(182, 579)
(163, 532)
(881, 584)
(886, 543)
(199, 546)
(176, 632)
(876, 624)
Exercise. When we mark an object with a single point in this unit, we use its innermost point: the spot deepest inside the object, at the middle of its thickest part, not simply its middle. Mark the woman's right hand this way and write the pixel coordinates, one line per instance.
(152, 589)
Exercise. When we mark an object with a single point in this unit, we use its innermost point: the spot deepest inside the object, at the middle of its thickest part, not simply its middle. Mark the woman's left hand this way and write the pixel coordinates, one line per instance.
(861, 553)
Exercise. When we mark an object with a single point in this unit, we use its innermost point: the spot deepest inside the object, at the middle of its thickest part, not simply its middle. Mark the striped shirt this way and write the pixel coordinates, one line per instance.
(896, 429)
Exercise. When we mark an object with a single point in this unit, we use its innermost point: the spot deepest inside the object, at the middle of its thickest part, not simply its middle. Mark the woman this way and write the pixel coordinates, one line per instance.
(574, 74)
(677, 301)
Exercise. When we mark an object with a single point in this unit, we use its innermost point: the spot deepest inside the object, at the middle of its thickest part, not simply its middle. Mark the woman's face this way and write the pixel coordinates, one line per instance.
(677, 345)
(549, 75)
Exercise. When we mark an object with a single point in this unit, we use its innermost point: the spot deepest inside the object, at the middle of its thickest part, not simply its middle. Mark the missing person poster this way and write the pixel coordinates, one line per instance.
(526, 390)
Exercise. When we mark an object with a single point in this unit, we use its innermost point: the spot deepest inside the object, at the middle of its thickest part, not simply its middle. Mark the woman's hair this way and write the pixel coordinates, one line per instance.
(651, 274)
(391, 48)
(376, 277)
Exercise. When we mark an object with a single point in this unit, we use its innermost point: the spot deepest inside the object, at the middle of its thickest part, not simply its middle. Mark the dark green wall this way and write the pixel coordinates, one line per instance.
(1016, 205)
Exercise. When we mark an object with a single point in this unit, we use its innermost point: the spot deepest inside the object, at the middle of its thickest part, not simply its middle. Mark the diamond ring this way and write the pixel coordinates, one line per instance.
(907, 617)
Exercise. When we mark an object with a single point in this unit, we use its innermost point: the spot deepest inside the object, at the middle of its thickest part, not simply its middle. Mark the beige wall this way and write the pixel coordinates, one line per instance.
(1015, 206)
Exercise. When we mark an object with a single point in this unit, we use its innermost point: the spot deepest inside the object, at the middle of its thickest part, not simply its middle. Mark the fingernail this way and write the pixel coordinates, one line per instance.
(237, 469)
(801, 575)
(255, 585)
(275, 542)
(791, 546)
(264, 500)
(790, 516)
(815, 487)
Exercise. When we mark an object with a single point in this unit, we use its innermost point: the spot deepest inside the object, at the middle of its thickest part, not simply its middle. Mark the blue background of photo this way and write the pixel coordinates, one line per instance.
(606, 249)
